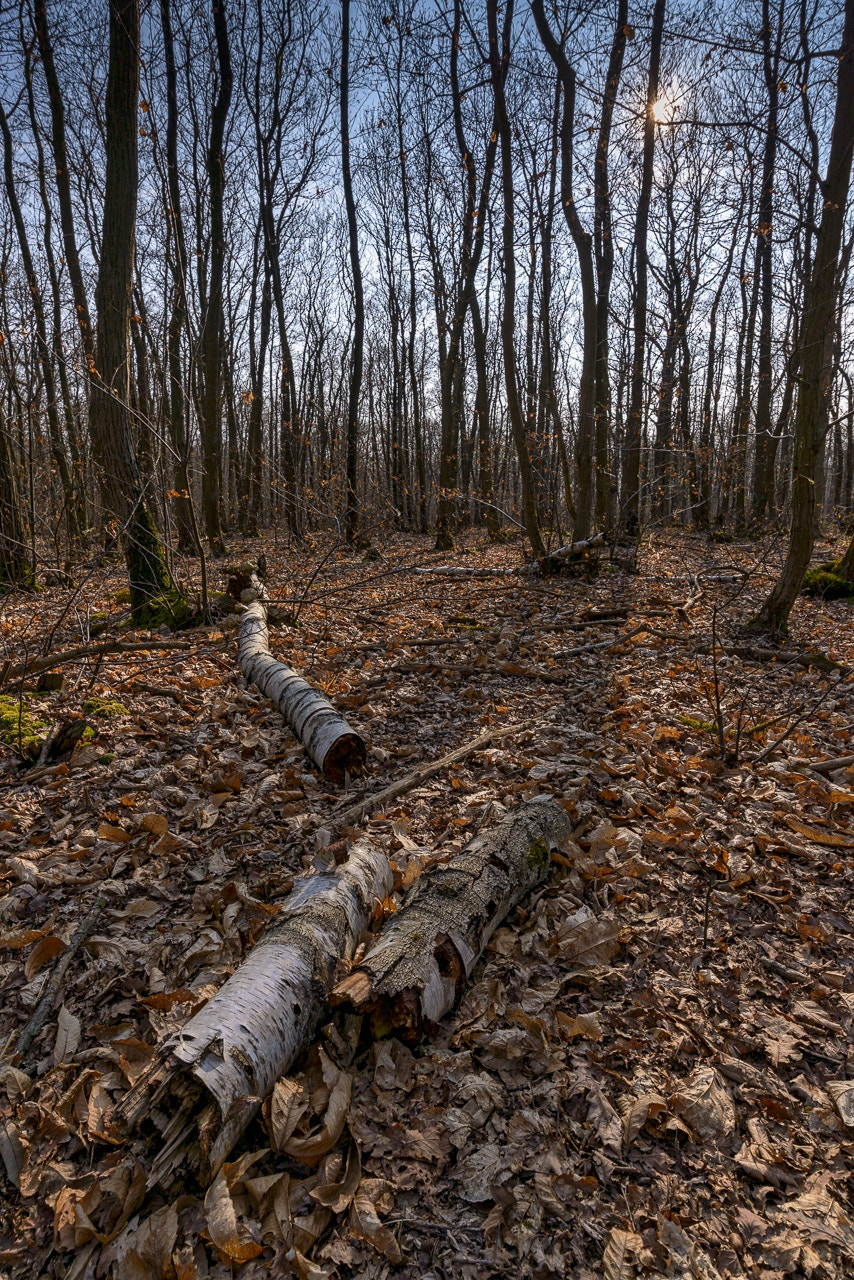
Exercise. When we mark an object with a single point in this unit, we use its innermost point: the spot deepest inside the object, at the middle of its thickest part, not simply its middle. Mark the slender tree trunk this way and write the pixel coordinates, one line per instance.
(45, 354)
(211, 338)
(819, 310)
(603, 243)
(178, 317)
(583, 241)
(351, 514)
(763, 484)
(63, 181)
(635, 418)
(499, 57)
(16, 567)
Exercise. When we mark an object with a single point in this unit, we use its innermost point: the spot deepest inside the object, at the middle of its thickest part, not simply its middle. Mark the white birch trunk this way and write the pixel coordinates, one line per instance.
(261, 1019)
(333, 745)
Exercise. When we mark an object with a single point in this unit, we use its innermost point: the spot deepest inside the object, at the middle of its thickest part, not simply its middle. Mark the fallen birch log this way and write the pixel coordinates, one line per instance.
(333, 745)
(415, 971)
(210, 1078)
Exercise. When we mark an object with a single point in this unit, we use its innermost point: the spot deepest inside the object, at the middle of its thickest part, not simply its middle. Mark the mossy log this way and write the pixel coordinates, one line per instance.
(416, 970)
(333, 745)
(209, 1079)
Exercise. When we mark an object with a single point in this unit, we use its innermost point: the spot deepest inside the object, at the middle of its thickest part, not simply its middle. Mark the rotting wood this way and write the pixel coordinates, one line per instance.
(415, 971)
(42, 1011)
(333, 745)
(103, 650)
(421, 773)
(212, 1075)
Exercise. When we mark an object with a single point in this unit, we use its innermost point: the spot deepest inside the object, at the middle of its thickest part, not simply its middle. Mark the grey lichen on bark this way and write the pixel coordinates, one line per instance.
(415, 972)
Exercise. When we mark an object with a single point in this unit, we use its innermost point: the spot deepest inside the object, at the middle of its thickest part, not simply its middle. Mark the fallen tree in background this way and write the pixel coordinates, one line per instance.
(415, 971)
(209, 1079)
(333, 745)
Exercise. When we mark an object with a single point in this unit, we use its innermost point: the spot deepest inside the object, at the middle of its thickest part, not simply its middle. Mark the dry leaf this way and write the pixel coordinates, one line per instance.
(43, 951)
(67, 1036)
(705, 1105)
(842, 1093)
(586, 1025)
(233, 1239)
(621, 1248)
(365, 1224)
(309, 1149)
(283, 1111)
(117, 835)
(11, 1151)
(636, 1112)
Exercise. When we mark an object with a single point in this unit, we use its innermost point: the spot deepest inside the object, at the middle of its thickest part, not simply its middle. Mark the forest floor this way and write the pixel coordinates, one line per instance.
(650, 1073)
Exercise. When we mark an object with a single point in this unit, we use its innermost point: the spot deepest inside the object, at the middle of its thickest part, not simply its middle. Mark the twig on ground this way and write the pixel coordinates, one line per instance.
(37, 665)
(355, 812)
(42, 1011)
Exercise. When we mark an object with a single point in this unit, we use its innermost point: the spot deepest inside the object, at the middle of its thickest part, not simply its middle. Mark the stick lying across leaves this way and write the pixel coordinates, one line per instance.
(36, 665)
(54, 983)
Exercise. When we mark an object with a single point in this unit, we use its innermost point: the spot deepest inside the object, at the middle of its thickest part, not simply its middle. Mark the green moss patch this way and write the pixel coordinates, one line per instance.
(168, 609)
(104, 707)
(19, 729)
(826, 581)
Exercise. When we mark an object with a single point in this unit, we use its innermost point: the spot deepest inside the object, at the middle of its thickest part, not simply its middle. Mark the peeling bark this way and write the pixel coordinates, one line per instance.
(235, 1049)
(327, 737)
(415, 972)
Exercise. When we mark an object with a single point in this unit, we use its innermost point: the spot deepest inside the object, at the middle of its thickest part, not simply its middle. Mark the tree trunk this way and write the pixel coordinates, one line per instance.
(583, 241)
(16, 569)
(210, 340)
(123, 489)
(257, 1024)
(499, 59)
(415, 972)
(351, 515)
(178, 318)
(819, 308)
(634, 423)
(603, 242)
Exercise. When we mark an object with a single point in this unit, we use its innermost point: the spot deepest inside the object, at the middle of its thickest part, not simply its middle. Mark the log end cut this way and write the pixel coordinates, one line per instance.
(346, 755)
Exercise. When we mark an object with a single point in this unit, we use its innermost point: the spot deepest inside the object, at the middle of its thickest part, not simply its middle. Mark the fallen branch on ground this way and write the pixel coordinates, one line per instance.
(830, 766)
(421, 773)
(415, 971)
(37, 665)
(783, 656)
(613, 643)
(209, 1079)
(42, 1011)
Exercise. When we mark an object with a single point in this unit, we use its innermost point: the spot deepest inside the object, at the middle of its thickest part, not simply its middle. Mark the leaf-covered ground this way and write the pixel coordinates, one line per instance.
(650, 1073)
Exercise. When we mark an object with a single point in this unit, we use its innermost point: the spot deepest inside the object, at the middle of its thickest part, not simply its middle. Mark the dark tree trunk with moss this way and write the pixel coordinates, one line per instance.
(819, 318)
(123, 489)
